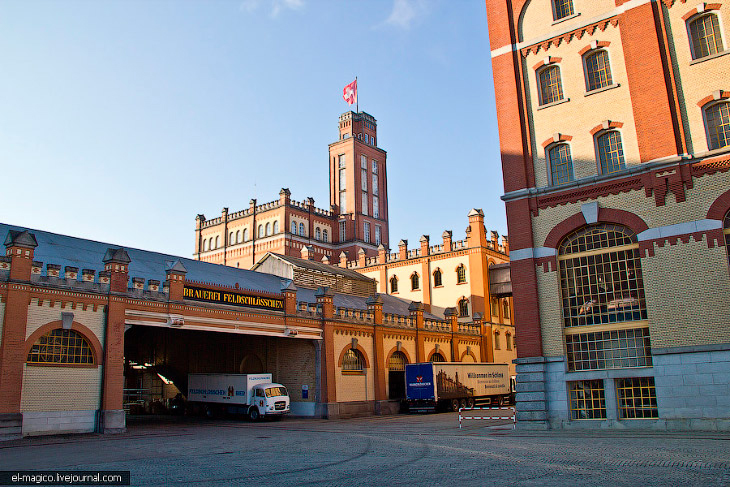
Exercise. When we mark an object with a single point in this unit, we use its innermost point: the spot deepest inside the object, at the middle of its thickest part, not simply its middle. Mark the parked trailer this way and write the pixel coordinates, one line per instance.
(450, 385)
(251, 394)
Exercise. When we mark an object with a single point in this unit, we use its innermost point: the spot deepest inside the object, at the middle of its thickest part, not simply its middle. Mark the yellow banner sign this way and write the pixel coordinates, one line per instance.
(232, 298)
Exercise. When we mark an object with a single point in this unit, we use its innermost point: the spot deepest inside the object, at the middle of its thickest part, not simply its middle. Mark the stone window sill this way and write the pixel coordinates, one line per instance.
(548, 105)
(601, 90)
(564, 19)
(711, 56)
(353, 372)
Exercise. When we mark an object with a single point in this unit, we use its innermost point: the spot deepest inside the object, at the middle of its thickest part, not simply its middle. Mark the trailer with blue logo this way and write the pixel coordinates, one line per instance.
(451, 385)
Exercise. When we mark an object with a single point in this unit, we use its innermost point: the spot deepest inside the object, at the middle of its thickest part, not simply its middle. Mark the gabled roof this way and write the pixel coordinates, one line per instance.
(89, 254)
(314, 266)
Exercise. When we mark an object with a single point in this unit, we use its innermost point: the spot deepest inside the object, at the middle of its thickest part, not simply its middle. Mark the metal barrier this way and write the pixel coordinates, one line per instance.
(513, 417)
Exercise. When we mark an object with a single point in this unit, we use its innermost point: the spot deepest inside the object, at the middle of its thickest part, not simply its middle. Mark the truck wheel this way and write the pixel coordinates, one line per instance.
(454, 404)
(462, 403)
(253, 413)
(470, 402)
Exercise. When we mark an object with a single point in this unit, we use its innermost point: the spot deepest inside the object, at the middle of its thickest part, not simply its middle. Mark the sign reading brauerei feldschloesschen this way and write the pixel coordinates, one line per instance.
(232, 298)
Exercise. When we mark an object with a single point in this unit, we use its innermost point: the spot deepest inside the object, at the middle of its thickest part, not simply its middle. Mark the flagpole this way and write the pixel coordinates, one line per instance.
(357, 100)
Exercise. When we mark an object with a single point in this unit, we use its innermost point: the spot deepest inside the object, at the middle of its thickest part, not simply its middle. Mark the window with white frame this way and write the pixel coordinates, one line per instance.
(301, 230)
(376, 207)
(377, 234)
(705, 35)
(325, 236)
(343, 201)
(364, 203)
(366, 232)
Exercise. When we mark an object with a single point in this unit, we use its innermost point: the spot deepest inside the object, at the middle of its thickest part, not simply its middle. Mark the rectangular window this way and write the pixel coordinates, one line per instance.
(366, 232)
(364, 203)
(366, 138)
(587, 399)
(341, 159)
(376, 207)
(363, 162)
(343, 179)
(364, 180)
(377, 235)
(343, 231)
(636, 398)
(375, 184)
(613, 349)
(343, 202)
(375, 166)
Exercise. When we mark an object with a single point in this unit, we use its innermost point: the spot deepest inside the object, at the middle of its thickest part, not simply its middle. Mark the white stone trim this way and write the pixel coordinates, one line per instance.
(532, 253)
(679, 229)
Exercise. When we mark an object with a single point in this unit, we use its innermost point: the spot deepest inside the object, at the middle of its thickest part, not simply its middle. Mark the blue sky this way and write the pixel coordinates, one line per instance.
(120, 121)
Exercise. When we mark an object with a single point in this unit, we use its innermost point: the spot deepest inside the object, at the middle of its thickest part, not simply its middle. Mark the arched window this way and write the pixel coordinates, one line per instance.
(461, 274)
(437, 357)
(205, 244)
(393, 284)
(245, 234)
(601, 284)
(705, 34)
(268, 229)
(293, 228)
(496, 340)
(238, 236)
(415, 281)
(210, 243)
(495, 307)
(276, 227)
(727, 234)
(301, 229)
(318, 234)
(717, 117)
(325, 236)
(397, 362)
(437, 280)
(562, 9)
(230, 239)
(561, 164)
(598, 70)
(353, 361)
(508, 341)
(463, 308)
(505, 308)
(551, 87)
(217, 241)
(60, 346)
(261, 231)
(610, 152)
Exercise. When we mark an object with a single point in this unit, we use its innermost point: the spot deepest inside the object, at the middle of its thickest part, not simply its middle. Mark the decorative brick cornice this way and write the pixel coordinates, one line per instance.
(695, 11)
(569, 36)
(711, 166)
(594, 45)
(588, 193)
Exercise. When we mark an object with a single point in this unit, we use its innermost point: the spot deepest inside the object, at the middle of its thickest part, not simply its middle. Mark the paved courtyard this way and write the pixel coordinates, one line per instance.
(397, 450)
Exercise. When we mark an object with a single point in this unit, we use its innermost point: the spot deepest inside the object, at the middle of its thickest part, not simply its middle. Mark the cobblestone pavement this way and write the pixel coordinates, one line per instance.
(408, 450)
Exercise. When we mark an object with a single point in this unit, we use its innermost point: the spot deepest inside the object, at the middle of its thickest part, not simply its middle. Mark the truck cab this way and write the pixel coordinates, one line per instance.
(268, 400)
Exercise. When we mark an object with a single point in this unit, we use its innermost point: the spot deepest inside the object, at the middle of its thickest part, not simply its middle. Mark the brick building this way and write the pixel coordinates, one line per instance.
(614, 126)
(83, 322)
(357, 217)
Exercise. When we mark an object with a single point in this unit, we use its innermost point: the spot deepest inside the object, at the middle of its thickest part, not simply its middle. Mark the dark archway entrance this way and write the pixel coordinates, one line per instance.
(397, 375)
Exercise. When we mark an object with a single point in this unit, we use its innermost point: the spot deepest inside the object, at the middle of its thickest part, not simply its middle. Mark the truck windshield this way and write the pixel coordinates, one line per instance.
(276, 391)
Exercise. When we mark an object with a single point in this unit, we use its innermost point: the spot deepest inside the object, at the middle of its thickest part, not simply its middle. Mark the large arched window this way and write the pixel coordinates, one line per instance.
(245, 234)
(562, 9)
(705, 35)
(551, 87)
(397, 362)
(415, 281)
(461, 274)
(598, 70)
(353, 361)
(276, 227)
(602, 290)
(610, 152)
(437, 278)
(561, 164)
(393, 284)
(61, 347)
(717, 118)
(437, 357)
(463, 308)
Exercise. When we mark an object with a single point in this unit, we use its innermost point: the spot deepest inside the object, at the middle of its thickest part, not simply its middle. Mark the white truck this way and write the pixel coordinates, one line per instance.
(252, 394)
(442, 385)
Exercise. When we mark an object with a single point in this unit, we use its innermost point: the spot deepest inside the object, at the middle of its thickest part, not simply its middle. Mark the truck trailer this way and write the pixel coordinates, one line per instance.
(252, 394)
(451, 385)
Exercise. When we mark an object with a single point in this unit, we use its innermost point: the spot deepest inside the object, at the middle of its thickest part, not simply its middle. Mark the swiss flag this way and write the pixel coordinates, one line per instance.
(349, 93)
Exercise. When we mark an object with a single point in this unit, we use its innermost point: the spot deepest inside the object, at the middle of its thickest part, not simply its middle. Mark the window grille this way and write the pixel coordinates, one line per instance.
(393, 284)
(598, 70)
(397, 362)
(636, 398)
(562, 9)
(461, 274)
(415, 282)
(587, 399)
(352, 360)
(343, 231)
(551, 88)
(705, 35)
(61, 347)
(718, 125)
(437, 281)
(561, 164)
(437, 357)
(463, 308)
(610, 349)
(610, 152)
